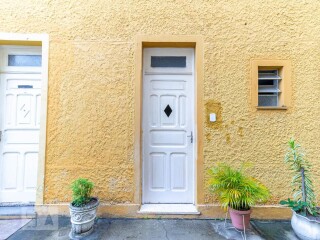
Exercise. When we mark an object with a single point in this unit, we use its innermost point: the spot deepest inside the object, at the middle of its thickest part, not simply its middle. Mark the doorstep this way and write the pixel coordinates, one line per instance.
(17, 212)
(168, 209)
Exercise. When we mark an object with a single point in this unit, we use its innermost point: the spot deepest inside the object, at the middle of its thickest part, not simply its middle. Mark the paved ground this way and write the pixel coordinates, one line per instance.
(10, 226)
(58, 227)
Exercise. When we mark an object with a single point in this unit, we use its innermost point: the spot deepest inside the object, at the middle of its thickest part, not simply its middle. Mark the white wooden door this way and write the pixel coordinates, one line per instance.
(20, 123)
(168, 125)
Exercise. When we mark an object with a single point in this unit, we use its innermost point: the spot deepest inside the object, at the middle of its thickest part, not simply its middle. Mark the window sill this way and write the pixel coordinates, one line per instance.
(272, 108)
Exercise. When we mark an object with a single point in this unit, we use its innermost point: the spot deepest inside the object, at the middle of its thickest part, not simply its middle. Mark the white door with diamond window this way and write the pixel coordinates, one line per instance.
(19, 125)
(168, 125)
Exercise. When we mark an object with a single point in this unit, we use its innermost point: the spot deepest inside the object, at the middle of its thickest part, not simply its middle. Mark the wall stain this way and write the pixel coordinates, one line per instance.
(214, 107)
(228, 138)
(208, 137)
(240, 131)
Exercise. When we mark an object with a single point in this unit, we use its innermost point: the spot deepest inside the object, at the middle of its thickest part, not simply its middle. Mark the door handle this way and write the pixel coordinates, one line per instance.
(191, 137)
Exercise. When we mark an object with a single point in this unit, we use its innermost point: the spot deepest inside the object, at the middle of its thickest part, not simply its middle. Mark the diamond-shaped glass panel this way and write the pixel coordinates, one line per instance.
(168, 110)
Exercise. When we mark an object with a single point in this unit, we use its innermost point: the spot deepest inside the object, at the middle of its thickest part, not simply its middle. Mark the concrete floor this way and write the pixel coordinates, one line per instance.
(58, 227)
(10, 226)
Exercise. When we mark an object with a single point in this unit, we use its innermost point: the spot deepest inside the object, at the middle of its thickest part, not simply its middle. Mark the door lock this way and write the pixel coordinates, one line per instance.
(191, 137)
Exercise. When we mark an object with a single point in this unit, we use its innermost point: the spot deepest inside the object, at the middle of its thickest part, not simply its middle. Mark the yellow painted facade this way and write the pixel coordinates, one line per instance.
(92, 88)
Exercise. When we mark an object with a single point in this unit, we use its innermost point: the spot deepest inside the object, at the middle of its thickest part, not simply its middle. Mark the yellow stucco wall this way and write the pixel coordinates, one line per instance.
(90, 130)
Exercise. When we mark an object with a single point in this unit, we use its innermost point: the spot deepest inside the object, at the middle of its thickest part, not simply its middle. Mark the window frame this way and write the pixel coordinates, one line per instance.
(159, 52)
(284, 68)
(19, 50)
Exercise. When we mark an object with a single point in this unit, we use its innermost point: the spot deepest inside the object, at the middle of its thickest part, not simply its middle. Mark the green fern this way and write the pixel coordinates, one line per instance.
(301, 181)
(234, 189)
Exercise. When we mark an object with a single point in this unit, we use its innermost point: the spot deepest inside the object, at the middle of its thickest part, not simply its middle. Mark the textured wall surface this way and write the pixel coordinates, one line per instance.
(91, 84)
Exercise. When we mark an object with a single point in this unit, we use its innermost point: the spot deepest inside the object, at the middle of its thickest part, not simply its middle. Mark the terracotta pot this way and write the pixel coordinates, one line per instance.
(240, 219)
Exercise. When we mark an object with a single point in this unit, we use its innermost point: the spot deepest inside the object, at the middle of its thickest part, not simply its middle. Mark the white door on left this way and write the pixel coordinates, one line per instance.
(20, 124)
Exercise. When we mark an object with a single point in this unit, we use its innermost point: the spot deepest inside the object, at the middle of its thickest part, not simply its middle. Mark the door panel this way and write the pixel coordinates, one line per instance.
(179, 167)
(24, 109)
(20, 137)
(10, 173)
(158, 177)
(31, 163)
(167, 103)
(168, 107)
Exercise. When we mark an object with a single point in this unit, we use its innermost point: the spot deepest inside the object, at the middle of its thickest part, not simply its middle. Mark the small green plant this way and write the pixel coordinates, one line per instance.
(234, 189)
(81, 192)
(303, 198)
(297, 206)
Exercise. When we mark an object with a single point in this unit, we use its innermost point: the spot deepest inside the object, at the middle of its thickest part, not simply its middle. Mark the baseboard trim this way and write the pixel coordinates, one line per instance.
(207, 211)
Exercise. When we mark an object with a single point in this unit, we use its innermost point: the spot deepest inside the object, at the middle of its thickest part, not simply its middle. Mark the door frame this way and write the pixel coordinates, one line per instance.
(176, 41)
(42, 40)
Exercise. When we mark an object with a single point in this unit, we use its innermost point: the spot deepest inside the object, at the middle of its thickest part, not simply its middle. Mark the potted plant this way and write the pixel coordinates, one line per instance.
(237, 192)
(83, 208)
(305, 219)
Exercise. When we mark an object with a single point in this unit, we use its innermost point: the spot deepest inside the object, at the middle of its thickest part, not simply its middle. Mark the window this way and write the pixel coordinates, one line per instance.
(21, 58)
(271, 84)
(168, 61)
(24, 60)
(268, 88)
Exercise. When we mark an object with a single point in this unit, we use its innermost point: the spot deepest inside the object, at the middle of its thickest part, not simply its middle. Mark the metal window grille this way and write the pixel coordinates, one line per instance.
(268, 88)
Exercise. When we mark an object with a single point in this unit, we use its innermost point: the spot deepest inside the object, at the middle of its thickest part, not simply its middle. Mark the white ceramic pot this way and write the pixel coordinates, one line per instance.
(82, 219)
(305, 228)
